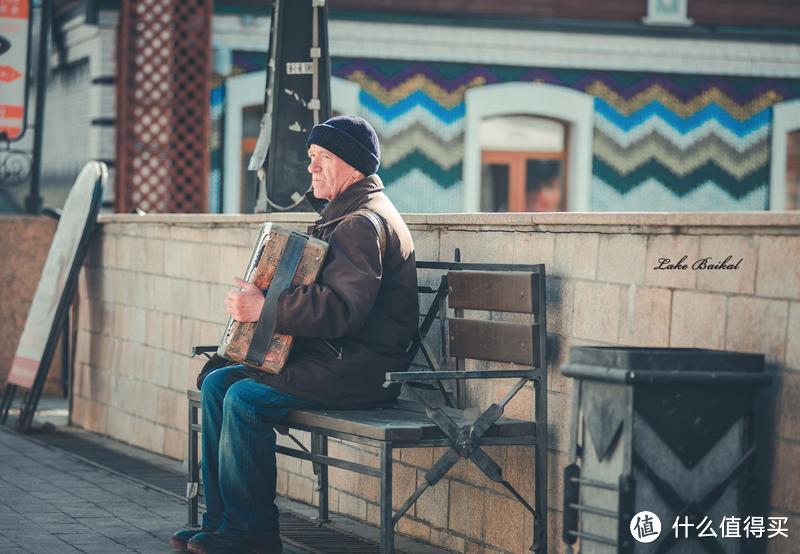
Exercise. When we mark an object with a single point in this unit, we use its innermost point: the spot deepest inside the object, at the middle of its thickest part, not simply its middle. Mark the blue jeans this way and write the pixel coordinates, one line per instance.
(239, 468)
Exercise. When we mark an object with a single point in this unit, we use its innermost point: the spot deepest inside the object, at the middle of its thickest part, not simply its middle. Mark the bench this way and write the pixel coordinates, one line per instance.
(433, 410)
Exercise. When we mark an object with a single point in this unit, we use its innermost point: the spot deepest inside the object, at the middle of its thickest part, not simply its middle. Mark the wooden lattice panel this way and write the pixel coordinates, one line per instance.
(164, 78)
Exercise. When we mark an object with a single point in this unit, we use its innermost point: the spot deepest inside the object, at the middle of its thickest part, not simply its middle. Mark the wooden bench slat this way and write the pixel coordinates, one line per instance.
(392, 424)
(498, 341)
(493, 291)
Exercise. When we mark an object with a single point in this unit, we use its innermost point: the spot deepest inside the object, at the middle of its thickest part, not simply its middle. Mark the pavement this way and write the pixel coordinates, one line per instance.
(53, 503)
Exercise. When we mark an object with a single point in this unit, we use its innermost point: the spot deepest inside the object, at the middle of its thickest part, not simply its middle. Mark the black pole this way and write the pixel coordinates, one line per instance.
(65, 355)
(33, 202)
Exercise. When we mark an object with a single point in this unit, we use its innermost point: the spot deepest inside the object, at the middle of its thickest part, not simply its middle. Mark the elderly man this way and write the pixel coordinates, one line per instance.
(352, 326)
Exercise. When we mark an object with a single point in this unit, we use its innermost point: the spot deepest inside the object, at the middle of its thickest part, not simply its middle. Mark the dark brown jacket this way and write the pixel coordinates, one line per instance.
(357, 321)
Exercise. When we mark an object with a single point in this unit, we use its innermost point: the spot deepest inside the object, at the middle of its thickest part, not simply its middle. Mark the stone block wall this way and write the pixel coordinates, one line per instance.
(148, 293)
(153, 286)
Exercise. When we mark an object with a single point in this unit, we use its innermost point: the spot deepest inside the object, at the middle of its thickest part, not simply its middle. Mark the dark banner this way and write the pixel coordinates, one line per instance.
(298, 96)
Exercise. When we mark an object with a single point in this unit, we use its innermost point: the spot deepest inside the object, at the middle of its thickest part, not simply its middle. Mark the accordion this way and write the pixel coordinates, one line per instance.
(280, 259)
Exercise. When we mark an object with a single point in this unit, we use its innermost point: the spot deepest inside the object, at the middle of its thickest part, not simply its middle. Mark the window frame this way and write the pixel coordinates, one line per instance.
(516, 160)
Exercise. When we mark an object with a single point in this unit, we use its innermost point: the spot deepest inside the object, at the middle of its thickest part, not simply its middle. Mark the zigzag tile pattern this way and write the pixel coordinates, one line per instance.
(654, 146)
(415, 116)
(697, 142)
(418, 137)
(446, 177)
(651, 195)
(676, 134)
(708, 172)
(416, 192)
(682, 140)
(657, 93)
(713, 140)
(683, 125)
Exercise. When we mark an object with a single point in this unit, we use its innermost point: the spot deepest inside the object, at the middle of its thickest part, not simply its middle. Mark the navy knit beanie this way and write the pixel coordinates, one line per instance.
(352, 139)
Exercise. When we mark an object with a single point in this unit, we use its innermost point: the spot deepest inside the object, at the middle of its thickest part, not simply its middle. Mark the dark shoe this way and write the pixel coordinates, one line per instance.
(217, 543)
(180, 539)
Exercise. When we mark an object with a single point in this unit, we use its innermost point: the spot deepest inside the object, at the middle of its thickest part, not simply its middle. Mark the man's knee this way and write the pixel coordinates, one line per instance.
(238, 397)
(215, 385)
(250, 396)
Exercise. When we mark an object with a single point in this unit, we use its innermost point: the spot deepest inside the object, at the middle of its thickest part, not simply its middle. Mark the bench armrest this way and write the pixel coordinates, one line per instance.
(404, 376)
(203, 349)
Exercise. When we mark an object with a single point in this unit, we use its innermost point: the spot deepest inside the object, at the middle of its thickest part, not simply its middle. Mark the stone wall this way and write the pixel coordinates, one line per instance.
(153, 286)
(24, 244)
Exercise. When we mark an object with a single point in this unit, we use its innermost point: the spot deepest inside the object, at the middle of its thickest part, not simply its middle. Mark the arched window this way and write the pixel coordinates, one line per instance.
(523, 164)
(527, 147)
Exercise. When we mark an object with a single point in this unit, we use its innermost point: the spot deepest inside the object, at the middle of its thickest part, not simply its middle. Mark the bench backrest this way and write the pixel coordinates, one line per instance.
(496, 289)
(498, 341)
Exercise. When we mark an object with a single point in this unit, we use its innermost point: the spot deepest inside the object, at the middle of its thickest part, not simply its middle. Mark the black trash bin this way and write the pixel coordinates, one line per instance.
(663, 430)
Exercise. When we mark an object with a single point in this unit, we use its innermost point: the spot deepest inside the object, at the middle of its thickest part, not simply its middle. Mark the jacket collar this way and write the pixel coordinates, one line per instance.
(317, 203)
(350, 199)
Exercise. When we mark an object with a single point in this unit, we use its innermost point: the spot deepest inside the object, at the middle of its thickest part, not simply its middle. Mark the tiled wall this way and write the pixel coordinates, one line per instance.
(153, 286)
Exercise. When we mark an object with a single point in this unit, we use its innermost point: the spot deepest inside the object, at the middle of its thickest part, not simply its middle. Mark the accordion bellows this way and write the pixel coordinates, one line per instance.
(265, 262)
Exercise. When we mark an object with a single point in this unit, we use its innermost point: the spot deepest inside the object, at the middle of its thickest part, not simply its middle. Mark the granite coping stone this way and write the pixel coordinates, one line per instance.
(692, 219)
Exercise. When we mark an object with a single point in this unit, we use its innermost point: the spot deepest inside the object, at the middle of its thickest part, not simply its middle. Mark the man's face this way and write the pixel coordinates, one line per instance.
(330, 175)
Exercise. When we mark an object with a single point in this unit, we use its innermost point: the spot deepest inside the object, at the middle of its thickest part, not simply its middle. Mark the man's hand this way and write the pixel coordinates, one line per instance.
(245, 305)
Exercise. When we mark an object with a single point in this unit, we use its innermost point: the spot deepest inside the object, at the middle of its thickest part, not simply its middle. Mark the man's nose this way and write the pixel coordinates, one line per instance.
(312, 166)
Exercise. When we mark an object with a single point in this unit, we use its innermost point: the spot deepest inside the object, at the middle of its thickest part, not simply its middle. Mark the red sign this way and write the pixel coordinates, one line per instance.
(8, 73)
(14, 44)
(23, 371)
(14, 9)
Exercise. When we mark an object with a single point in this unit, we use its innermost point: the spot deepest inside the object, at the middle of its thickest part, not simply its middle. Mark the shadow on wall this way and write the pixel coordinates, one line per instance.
(767, 435)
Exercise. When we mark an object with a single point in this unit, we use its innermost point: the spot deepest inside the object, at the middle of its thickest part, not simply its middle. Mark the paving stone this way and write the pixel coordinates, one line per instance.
(7, 544)
(50, 518)
(103, 523)
(50, 548)
(146, 542)
(67, 528)
(11, 522)
(93, 512)
(86, 512)
(49, 504)
(104, 549)
(27, 507)
(76, 539)
(155, 526)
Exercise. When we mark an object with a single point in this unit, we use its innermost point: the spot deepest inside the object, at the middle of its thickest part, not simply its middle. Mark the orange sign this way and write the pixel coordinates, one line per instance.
(8, 74)
(14, 9)
(14, 44)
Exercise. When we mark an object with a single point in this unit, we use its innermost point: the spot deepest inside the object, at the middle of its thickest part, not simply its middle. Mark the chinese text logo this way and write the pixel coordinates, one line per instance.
(645, 527)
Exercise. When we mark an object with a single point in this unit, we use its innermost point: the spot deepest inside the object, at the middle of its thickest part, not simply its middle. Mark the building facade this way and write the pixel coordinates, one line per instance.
(637, 109)
(502, 106)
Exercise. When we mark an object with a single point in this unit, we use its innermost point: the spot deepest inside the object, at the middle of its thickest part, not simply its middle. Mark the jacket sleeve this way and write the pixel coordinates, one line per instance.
(340, 302)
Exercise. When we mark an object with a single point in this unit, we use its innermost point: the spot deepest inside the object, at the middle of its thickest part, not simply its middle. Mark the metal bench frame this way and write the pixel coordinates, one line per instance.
(465, 439)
